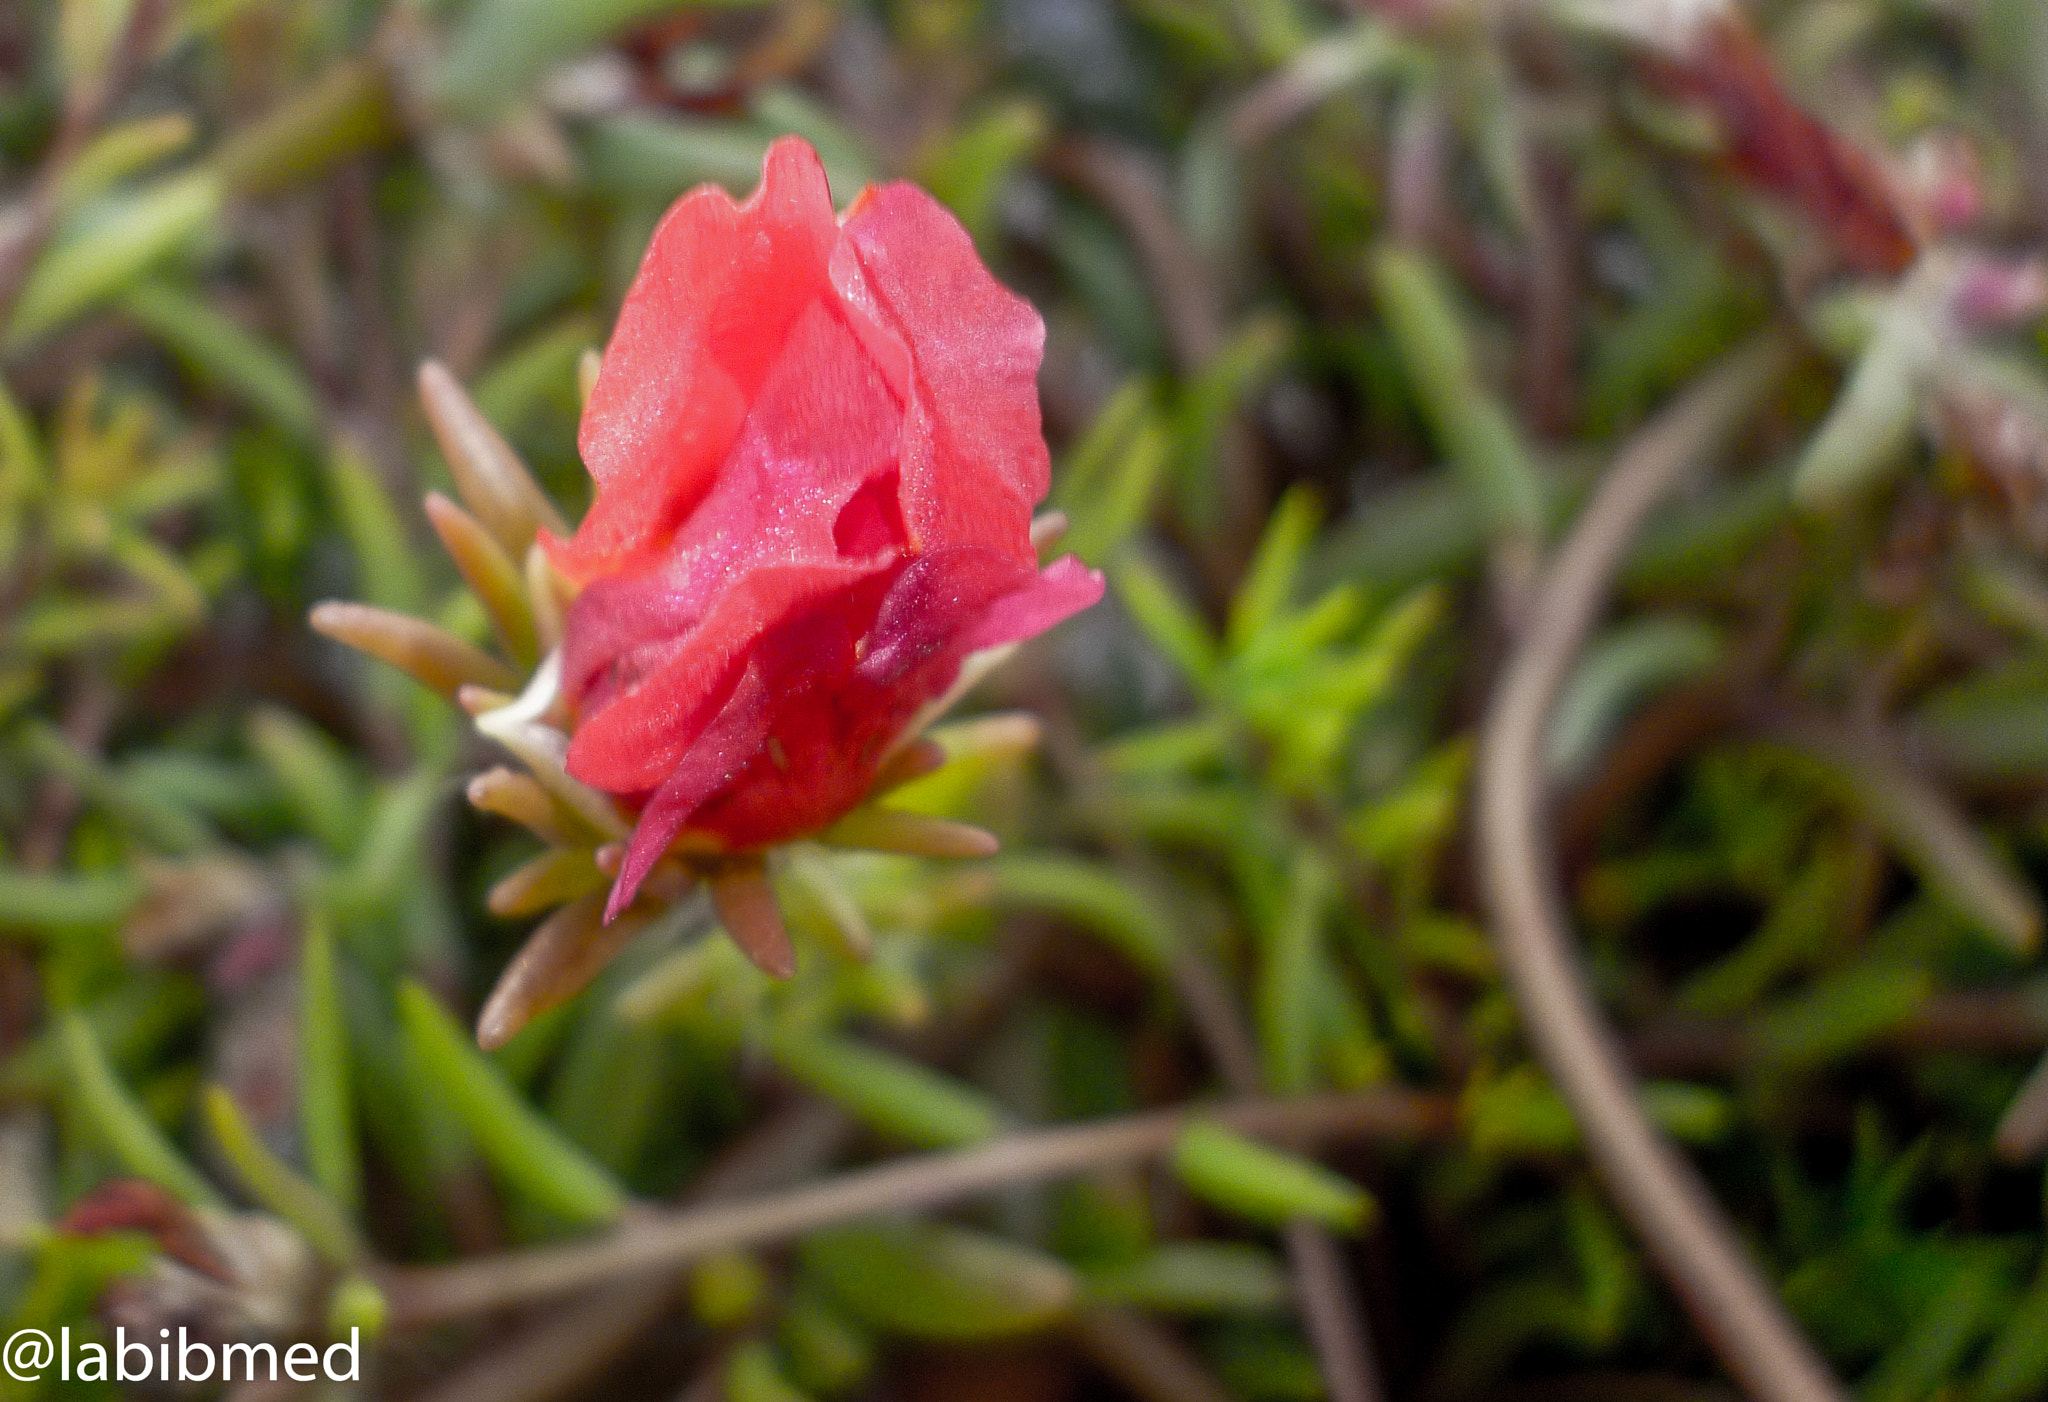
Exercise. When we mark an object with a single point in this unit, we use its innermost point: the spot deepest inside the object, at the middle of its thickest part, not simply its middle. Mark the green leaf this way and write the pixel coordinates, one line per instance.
(1842, 1014)
(276, 1184)
(1291, 965)
(1264, 1184)
(344, 110)
(1194, 1277)
(55, 904)
(314, 773)
(1928, 1355)
(1275, 569)
(539, 369)
(657, 157)
(218, 349)
(326, 1107)
(1210, 402)
(1088, 894)
(827, 1352)
(753, 1376)
(120, 152)
(123, 239)
(895, 1095)
(1469, 421)
(2016, 1365)
(970, 170)
(1623, 666)
(1108, 482)
(1867, 432)
(1927, 828)
(1174, 627)
(528, 1153)
(931, 1281)
(120, 1122)
(168, 827)
(387, 563)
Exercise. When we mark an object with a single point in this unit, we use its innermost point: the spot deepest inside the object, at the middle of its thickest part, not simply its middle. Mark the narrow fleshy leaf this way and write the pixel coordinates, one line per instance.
(973, 671)
(220, 350)
(545, 750)
(344, 110)
(388, 568)
(746, 907)
(1475, 429)
(913, 761)
(529, 1154)
(318, 780)
(120, 152)
(327, 1126)
(119, 1120)
(813, 871)
(900, 1097)
(1047, 528)
(1194, 1277)
(76, 273)
(753, 1375)
(2023, 1128)
(520, 798)
(436, 659)
(1246, 1177)
(547, 596)
(477, 700)
(557, 875)
(933, 1281)
(276, 1184)
(1936, 839)
(558, 960)
(912, 834)
(491, 479)
(1002, 733)
(499, 585)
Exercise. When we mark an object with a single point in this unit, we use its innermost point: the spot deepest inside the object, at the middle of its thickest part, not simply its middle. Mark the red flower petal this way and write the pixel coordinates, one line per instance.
(720, 752)
(1065, 588)
(721, 287)
(974, 458)
(644, 652)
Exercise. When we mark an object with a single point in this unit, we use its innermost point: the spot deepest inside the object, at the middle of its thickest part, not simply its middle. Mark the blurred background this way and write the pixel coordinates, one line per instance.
(1349, 307)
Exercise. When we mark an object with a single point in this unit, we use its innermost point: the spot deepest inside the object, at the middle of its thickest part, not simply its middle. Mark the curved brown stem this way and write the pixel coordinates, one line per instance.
(1144, 1356)
(1657, 1188)
(653, 1240)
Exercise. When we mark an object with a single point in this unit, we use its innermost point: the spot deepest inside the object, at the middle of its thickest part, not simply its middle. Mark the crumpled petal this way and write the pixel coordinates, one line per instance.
(701, 327)
(974, 456)
(719, 753)
(1064, 588)
(642, 653)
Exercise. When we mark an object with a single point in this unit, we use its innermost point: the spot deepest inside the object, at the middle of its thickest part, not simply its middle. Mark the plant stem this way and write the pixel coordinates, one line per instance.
(1657, 1189)
(656, 1240)
(1329, 1309)
(1144, 1356)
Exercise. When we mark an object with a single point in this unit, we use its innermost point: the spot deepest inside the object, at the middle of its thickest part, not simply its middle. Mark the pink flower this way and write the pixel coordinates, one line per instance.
(817, 449)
